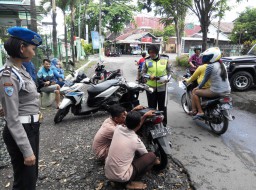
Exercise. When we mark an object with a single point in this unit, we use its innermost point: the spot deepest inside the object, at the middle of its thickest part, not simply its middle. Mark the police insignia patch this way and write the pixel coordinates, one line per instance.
(8, 90)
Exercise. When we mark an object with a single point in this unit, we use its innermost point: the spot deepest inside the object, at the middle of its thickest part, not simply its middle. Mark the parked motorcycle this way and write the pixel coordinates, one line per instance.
(216, 110)
(154, 135)
(99, 97)
(101, 74)
(74, 83)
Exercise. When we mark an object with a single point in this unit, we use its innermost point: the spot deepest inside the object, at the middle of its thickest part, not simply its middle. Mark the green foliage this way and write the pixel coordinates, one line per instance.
(182, 60)
(247, 45)
(87, 49)
(169, 31)
(158, 33)
(166, 33)
(114, 15)
(4, 56)
(245, 27)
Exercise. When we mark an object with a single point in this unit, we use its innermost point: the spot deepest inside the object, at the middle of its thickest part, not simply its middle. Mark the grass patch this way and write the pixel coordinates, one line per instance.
(89, 66)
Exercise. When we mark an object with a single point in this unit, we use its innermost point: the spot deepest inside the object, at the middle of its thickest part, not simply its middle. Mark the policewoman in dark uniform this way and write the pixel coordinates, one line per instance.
(20, 102)
(157, 68)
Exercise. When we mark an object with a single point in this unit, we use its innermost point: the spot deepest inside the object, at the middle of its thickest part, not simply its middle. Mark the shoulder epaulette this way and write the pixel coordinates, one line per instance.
(148, 57)
(164, 55)
(7, 71)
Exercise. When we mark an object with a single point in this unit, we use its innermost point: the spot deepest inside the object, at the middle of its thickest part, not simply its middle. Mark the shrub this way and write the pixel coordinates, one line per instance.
(182, 60)
(87, 48)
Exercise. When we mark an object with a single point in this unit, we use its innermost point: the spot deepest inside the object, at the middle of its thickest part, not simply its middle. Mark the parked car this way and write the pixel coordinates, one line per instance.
(241, 70)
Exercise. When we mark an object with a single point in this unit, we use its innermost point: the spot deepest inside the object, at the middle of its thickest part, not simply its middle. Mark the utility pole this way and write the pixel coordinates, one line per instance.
(100, 31)
(218, 28)
(33, 16)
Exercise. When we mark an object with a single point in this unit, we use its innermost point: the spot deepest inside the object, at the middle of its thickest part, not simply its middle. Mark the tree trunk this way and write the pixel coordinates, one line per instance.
(54, 30)
(33, 18)
(204, 26)
(178, 37)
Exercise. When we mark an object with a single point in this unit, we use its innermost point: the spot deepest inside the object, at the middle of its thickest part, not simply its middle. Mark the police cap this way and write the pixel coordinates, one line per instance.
(26, 35)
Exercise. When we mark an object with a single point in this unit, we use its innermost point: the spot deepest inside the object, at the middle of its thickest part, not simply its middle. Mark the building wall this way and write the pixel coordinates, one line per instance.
(151, 22)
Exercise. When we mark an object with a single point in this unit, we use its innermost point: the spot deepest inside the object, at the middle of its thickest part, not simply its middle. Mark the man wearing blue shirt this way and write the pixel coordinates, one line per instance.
(47, 81)
(30, 68)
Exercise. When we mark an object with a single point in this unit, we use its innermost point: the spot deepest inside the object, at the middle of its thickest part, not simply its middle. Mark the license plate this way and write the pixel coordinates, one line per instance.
(226, 106)
(160, 132)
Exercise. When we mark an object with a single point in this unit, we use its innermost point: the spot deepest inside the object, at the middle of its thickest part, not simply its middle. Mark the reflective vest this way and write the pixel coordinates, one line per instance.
(157, 69)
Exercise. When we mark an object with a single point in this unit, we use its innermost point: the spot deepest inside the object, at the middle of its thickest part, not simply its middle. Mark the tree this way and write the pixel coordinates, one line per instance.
(115, 14)
(172, 11)
(63, 5)
(166, 33)
(245, 27)
(206, 10)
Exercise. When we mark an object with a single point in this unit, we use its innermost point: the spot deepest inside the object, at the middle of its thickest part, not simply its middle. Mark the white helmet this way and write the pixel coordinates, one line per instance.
(211, 55)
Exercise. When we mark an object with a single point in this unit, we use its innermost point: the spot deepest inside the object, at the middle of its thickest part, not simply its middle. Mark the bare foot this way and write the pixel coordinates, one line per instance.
(157, 162)
(136, 185)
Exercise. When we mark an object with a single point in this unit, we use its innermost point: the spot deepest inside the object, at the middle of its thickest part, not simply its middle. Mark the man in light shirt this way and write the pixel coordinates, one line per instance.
(121, 164)
(103, 137)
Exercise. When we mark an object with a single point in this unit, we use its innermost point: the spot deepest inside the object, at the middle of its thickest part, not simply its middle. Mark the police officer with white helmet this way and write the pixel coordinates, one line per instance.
(20, 101)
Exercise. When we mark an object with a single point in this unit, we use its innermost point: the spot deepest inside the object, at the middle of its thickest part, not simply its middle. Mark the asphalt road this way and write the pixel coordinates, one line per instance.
(226, 162)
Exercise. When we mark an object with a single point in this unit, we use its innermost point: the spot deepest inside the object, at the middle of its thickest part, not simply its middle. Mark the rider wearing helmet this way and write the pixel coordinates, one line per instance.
(217, 73)
(195, 60)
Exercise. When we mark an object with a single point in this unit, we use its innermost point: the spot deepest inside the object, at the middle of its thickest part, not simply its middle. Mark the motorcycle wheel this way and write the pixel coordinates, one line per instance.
(61, 113)
(221, 128)
(184, 104)
(162, 157)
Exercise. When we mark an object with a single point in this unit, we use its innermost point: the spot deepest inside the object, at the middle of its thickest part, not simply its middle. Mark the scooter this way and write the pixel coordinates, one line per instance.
(74, 83)
(216, 110)
(84, 100)
(101, 74)
(154, 135)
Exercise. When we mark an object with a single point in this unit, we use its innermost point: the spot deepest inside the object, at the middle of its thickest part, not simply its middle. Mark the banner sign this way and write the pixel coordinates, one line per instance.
(146, 39)
(95, 40)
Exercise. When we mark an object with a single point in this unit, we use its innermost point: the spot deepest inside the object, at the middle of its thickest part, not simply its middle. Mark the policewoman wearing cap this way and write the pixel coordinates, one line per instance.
(157, 69)
(20, 101)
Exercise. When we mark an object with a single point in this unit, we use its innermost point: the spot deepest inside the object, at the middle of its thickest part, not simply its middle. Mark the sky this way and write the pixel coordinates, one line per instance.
(229, 15)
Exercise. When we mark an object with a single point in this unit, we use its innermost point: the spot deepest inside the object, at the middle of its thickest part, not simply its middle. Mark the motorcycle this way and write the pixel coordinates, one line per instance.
(99, 97)
(216, 110)
(154, 135)
(101, 74)
(74, 83)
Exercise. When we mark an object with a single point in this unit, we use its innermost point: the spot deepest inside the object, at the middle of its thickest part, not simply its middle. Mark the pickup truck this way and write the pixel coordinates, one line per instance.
(241, 70)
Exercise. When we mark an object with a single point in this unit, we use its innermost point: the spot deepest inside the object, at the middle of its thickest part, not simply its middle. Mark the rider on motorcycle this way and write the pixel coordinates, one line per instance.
(195, 60)
(140, 64)
(197, 76)
(217, 73)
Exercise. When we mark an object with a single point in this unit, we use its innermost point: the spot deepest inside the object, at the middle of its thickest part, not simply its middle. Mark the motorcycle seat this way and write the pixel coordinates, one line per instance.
(97, 89)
